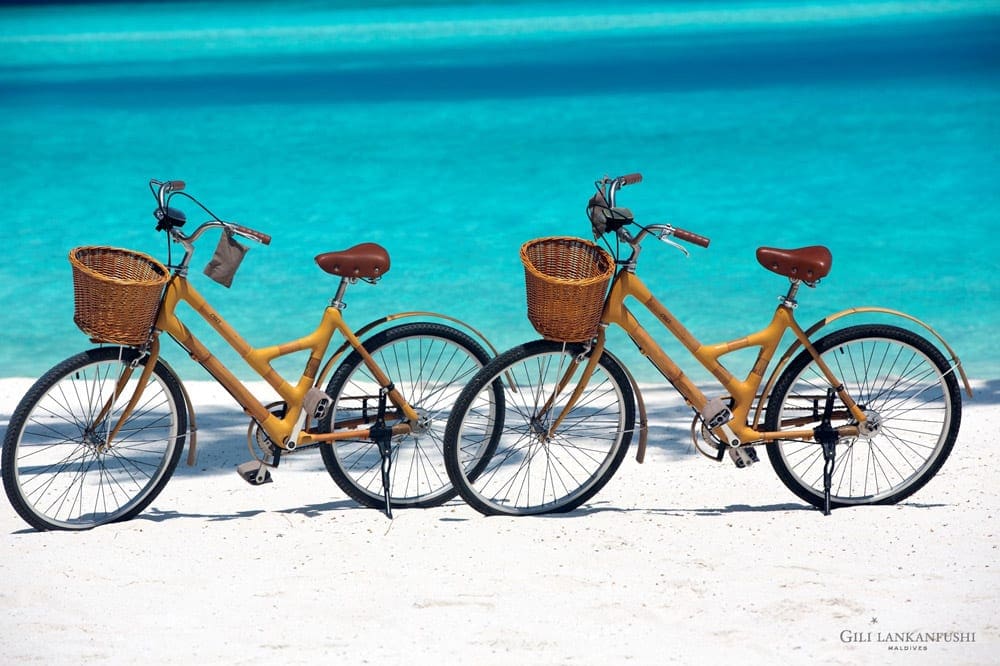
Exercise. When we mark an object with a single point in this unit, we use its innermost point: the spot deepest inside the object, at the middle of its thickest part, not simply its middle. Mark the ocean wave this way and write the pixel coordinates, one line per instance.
(62, 35)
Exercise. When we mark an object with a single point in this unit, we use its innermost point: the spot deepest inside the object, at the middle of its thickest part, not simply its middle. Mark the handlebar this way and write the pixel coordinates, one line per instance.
(690, 237)
(247, 232)
(170, 219)
(239, 230)
(164, 188)
(615, 184)
(606, 216)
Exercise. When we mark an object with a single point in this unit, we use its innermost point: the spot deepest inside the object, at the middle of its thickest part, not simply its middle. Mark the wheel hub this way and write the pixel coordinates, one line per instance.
(872, 424)
(422, 424)
(96, 441)
(540, 428)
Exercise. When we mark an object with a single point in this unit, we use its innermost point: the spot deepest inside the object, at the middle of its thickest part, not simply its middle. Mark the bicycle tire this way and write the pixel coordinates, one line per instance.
(59, 471)
(526, 472)
(429, 364)
(902, 382)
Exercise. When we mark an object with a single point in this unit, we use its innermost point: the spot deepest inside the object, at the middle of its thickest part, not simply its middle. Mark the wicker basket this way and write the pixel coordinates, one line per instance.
(117, 293)
(566, 279)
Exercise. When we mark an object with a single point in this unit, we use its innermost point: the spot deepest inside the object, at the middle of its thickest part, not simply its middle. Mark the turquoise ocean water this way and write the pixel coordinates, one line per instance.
(451, 132)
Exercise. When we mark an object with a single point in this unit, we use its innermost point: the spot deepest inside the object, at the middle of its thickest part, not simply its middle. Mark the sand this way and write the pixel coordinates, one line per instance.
(678, 560)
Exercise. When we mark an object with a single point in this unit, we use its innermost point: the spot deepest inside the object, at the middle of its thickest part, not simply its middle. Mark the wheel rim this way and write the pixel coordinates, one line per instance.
(429, 372)
(529, 471)
(904, 393)
(66, 471)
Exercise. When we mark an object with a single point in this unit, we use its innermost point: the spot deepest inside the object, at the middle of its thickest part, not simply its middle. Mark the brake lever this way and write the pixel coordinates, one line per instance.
(662, 235)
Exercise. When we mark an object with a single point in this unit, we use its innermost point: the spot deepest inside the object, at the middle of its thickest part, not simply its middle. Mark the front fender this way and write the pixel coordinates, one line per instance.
(956, 363)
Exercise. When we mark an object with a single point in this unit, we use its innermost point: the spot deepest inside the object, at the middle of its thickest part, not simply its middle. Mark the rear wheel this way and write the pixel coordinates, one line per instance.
(429, 364)
(531, 470)
(62, 471)
(913, 405)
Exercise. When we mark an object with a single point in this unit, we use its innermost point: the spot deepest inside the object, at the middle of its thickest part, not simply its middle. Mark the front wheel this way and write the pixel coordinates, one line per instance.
(429, 364)
(533, 468)
(912, 403)
(61, 469)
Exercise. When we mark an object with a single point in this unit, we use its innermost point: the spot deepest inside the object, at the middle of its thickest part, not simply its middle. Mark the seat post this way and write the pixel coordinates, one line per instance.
(788, 300)
(338, 299)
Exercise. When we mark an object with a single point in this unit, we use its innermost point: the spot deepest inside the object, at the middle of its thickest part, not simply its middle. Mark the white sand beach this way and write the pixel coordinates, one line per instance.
(679, 560)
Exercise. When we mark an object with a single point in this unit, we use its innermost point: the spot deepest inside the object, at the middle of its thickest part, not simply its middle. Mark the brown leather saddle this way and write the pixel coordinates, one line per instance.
(809, 264)
(367, 261)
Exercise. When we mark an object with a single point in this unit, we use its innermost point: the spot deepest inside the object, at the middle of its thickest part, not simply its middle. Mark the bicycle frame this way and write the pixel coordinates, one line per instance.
(744, 392)
(287, 431)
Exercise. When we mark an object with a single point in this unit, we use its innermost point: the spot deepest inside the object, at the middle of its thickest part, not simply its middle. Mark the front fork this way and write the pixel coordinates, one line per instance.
(595, 351)
(123, 380)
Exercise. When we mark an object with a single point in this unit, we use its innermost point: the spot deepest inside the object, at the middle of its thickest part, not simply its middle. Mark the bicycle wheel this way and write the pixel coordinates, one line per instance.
(429, 364)
(912, 401)
(528, 471)
(59, 469)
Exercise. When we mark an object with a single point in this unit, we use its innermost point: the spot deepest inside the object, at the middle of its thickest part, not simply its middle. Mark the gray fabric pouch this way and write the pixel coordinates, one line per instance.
(225, 261)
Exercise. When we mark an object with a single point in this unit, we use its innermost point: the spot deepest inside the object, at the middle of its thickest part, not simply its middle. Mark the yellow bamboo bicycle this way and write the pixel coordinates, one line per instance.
(97, 437)
(866, 414)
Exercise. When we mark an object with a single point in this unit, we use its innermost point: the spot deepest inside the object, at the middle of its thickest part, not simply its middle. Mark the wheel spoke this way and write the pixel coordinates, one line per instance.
(428, 364)
(532, 469)
(60, 470)
(911, 401)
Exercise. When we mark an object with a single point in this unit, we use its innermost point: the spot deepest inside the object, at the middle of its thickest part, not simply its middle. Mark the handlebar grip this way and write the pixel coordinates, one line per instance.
(258, 236)
(174, 185)
(691, 237)
(630, 179)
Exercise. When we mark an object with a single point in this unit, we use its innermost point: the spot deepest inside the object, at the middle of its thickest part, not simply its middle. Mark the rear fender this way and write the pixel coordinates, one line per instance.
(956, 363)
(370, 326)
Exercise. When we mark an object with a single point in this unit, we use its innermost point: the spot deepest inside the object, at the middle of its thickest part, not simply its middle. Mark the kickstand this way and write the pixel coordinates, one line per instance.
(382, 436)
(826, 435)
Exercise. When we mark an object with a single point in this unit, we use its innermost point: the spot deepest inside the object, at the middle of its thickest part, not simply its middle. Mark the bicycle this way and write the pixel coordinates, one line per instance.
(866, 414)
(98, 436)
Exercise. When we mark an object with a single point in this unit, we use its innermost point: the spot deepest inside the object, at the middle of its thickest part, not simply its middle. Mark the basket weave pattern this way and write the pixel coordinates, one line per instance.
(566, 279)
(116, 292)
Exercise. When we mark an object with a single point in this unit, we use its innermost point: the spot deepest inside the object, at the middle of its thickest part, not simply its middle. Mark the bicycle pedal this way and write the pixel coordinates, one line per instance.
(255, 473)
(743, 457)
